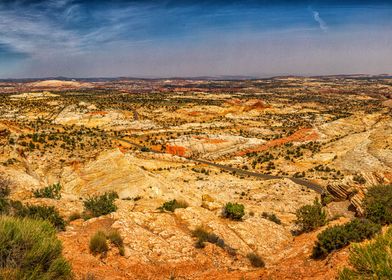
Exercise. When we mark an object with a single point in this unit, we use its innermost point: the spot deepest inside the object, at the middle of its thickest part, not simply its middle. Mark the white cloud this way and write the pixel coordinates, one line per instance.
(323, 25)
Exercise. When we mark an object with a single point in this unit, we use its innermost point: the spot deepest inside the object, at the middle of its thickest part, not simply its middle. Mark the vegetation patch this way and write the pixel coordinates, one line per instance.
(29, 249)
(378, 204)
(339, 236)
(372, 260)
(99, 242)
(74, 216)
(173, 205)
(39, 212)
(255, 260)
(272, 217)
(234, 211)
(53, 192)
(4, 193)
(310, 217)
(203, 236)
(100, 205)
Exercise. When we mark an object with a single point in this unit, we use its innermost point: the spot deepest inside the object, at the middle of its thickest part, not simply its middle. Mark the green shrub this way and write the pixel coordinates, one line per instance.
(53, 192)
(100, 205)
(74, 216)
(29, 249)
(173, 205)
(255, 260)
(39, 212)
(145, 149)
(98, 244)
(234, 211)
(272, 217)
(4, 188)
(359, 179)
(378, 204)
(339, 236)
(4, 205)
(326, 198)
(4, 193)
(115, 237)
(121, 251)
(372, 260)
(203, 236)
(310, 217)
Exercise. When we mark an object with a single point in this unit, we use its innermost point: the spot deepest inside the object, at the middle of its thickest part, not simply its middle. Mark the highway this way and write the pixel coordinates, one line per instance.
(313, 186)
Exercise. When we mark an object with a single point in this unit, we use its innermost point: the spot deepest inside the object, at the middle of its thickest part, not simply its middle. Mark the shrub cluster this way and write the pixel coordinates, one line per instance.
(29, 249)
(74, 216)
(339, 236)
(4, 193)
(310, 217)
(53, 192)
(98, 242)
(4, 188)
(173, 205)
(372, 260)
(203, 236)
(100, 205)
(234, 211)
(39, 212)
(255, 260)
(378, 211)
(378, 204)
(272, 217)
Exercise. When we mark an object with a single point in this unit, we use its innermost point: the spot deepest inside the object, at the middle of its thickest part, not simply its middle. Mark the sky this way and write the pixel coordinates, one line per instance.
(186, 38)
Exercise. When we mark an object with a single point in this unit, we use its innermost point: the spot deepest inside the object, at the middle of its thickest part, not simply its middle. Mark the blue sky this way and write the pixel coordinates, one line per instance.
(78, 38)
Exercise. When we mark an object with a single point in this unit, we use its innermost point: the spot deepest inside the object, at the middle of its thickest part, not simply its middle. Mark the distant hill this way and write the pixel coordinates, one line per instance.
(50, 80)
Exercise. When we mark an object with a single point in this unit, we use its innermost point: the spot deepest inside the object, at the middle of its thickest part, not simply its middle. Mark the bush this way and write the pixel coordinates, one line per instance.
(272, 217)
(74, 216)
(372, 260)
(326, 198)
(203, 236)
(53, 192)
(38, 212)
(340, 236)
(310, 217)
(4, 188)
(234, 211)
(255, 260)
(29, 249)
(378, 204)
(173, 205)
(98, 244)
(100, 205)
(115, 237)
(4, 193)
(145, 149)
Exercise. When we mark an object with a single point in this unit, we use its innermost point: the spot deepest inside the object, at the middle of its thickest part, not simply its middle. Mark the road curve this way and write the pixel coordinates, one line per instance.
(311, 185)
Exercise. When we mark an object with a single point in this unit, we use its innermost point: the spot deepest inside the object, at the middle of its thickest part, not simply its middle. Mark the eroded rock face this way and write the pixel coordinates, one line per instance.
(153, 236)
(354, 191)
(91, 144)
(111, 171)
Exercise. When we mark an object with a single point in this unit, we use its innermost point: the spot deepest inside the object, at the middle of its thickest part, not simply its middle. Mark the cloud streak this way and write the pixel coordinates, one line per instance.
(323, 25)
(185, 38)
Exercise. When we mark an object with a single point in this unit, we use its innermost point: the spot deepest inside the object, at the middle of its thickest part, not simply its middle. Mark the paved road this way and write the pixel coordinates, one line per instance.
(305, 183)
